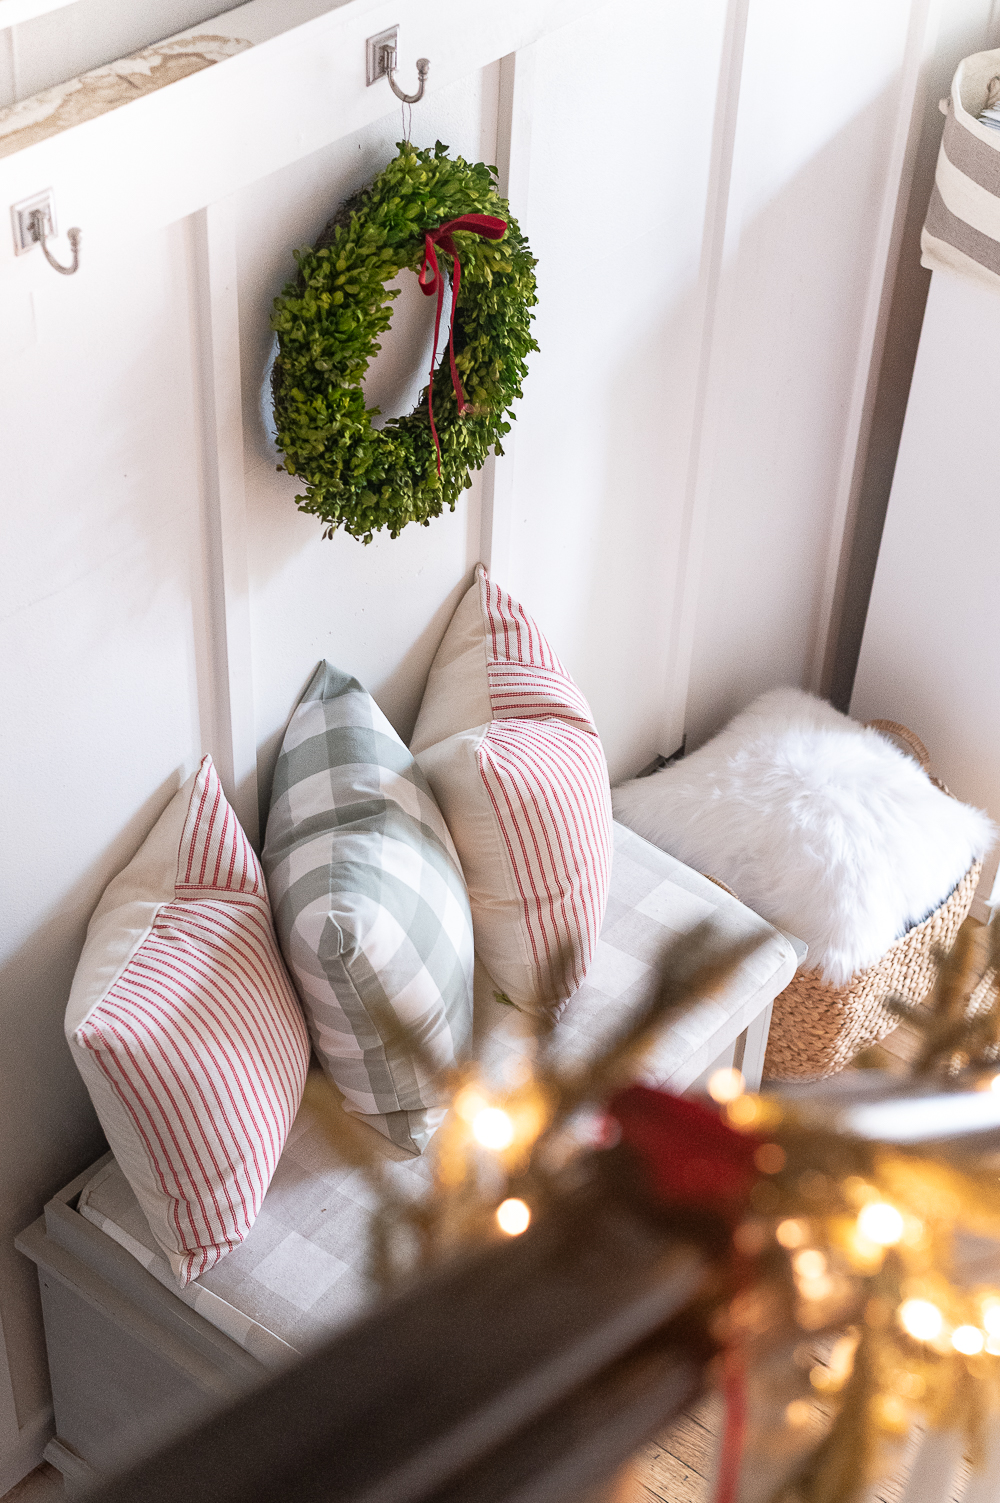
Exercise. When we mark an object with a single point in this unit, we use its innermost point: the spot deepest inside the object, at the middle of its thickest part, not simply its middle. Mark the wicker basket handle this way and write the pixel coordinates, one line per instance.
(719, 883)
(904, 734)
(917, 747)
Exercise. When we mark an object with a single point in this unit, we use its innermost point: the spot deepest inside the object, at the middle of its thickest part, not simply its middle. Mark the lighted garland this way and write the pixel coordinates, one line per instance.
(861, 1290)
(328, 321)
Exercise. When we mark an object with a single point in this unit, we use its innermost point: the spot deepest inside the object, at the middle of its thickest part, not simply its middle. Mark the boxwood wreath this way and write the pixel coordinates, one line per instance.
(328, 321)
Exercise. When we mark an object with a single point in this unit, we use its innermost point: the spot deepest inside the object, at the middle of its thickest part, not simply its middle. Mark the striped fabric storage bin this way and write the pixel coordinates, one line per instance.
(962, 229)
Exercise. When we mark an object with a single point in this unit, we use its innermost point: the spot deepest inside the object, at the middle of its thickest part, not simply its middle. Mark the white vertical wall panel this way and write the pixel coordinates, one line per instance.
(613, 195)
(377, 611)
(102, 636)
(159, 599)
(818, 104)
(928, 657)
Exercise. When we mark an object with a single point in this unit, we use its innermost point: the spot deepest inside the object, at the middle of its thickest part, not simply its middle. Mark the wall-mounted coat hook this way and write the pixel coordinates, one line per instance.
(380, 53)
(34, 222)
(38, 227)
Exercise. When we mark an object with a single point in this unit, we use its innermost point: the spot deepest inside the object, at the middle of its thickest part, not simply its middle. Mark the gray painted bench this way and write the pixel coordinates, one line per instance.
(134, 1360)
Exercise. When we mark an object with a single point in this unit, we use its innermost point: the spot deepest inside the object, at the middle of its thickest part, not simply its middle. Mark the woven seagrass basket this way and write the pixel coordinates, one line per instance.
(817, 1029)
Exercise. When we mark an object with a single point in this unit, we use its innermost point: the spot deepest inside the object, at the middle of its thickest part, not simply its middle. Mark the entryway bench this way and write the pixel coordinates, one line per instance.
(133, 1359)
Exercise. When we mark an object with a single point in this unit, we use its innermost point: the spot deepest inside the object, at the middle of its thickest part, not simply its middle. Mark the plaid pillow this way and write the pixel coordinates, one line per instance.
(371, 908)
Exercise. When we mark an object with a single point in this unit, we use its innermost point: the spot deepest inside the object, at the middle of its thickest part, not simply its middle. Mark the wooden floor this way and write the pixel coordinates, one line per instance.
(676, 1467)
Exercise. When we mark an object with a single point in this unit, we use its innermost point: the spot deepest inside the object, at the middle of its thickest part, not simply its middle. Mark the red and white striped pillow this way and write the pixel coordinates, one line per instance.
(509, 747)
(186, 1028)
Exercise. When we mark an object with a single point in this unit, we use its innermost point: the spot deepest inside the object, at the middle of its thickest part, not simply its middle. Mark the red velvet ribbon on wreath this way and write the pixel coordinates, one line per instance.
(693, 1160)
(431, 280)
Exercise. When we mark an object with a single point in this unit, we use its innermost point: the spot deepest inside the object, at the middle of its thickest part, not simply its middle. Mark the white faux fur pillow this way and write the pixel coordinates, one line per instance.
(823, 827)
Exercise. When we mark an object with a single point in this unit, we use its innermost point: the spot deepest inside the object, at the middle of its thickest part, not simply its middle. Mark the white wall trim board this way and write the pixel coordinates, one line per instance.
(923, 30)
(230, 732)
(145, 165)
(720, 233)
(513, 160)
(9, 1428)
(22, 1449)
(15, 12)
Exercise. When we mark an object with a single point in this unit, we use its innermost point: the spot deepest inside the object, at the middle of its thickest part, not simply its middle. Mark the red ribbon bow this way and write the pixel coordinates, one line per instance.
(692, 1159)
(431, 281)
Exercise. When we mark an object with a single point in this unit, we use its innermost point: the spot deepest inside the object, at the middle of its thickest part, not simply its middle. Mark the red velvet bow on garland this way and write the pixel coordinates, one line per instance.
(431, 280)
(693, 1161)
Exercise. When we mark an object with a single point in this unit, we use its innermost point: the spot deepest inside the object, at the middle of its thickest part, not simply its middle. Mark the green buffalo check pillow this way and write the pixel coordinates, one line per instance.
(371, 909)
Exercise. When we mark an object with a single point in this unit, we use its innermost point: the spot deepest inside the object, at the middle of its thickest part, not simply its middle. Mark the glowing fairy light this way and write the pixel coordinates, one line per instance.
(799, 1413)
(744, 1112)
(881, 1223)
(809, 1263)
(841, 1359)
(891, 1413)
(725, 1085)
(920, 1319)
(469, 1102)
(791, 1233)
(858, 1191)
(991, 1316)
(493, 1128)
(968, 1340)
(513, 1217)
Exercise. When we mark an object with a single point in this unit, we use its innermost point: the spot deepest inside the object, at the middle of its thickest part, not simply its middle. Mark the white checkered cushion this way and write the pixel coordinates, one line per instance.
(304, 1269)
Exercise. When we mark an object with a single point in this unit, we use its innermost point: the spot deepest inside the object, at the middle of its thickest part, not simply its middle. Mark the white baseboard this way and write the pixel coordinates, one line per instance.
(25, 1453)
(981, 910)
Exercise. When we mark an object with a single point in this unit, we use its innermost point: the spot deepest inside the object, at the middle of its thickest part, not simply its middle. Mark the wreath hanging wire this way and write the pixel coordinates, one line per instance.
(359, 477)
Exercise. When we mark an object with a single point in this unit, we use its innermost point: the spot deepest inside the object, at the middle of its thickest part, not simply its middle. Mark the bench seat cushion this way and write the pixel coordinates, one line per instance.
(303, 1269)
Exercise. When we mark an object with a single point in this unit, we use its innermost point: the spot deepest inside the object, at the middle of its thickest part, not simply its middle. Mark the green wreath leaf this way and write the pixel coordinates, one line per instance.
(328, 320)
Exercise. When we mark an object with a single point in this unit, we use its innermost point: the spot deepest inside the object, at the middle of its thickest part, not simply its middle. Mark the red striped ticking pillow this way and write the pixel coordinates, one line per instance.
(186, 1029)
(509, 747)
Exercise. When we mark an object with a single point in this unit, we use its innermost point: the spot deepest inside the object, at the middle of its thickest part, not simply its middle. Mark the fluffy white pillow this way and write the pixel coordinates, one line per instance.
(819, 824)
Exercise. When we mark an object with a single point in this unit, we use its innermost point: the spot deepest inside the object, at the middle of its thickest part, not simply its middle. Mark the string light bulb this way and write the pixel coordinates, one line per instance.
(809, 1263)
(968, 1340)
(991, 1316)
(469, 1102)
(920, 1319)
(513, 1216)
(799, 1413)
(726, 1085)
(881, 1223)
(791, 1233)
(493, 1128)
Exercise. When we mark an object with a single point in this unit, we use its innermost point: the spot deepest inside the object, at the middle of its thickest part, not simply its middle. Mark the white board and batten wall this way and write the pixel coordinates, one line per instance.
(711, 192)
(929, 655)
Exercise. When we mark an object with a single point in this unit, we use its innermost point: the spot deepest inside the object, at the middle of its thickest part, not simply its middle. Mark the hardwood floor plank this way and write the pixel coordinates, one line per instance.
(675, 1467)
